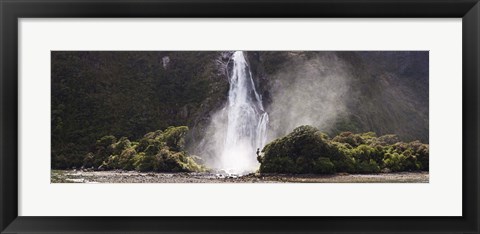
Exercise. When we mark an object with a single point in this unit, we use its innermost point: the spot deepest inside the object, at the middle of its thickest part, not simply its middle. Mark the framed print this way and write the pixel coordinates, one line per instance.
(226, 116)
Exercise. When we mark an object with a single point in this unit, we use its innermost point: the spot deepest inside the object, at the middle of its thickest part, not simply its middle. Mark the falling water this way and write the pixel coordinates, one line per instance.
(247, 120)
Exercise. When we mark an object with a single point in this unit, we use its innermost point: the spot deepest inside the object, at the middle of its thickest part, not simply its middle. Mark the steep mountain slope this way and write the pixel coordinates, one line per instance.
(128, 94)
(383, 92)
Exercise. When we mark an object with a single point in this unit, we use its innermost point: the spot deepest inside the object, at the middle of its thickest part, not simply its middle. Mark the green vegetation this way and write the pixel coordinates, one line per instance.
(307, 150)
(127, 93)
(160, 151)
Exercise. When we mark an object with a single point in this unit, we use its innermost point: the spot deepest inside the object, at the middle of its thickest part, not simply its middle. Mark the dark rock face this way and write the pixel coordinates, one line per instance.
(392, 94)
(384, 92)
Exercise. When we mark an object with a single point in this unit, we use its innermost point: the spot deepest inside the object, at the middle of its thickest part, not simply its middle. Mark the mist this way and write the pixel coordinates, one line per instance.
(239, 128)
(382, 92)
(311, 91)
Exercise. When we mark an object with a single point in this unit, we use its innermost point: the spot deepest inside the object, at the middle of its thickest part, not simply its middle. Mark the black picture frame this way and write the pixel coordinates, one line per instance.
(12, 10)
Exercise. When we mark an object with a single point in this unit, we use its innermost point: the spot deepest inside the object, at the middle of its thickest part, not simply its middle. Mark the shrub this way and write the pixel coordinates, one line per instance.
(323, 166)
(170, 161)
(368, 167)
(153, 135)
(174, 137)
(103, 149)
(296, 152)
(126, 159)
(122, 144)
(394, 161)
(421, 153)
(143, 144)
(110, 163)
(387, 140)
(353, 140)
(342, 158)
(122, 153)
(278, 164)
(143, 162)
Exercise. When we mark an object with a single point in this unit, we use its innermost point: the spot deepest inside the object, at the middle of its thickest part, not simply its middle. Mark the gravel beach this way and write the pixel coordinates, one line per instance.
(118, 176)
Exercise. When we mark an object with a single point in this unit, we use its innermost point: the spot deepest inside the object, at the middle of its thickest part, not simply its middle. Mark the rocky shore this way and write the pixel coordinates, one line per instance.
(119, 176)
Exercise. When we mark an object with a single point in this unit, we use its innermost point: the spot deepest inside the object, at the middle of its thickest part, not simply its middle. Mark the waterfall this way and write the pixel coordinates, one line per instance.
(246, 120)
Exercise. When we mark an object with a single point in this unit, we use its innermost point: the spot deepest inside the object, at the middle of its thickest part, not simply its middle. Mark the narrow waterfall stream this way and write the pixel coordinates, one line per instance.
(247, 120)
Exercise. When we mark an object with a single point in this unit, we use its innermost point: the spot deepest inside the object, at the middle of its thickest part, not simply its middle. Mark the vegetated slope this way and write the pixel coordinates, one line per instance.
(306, 150)
(127, 94)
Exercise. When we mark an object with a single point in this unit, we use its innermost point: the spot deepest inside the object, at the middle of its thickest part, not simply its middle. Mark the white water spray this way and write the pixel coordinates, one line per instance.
(246, 120)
